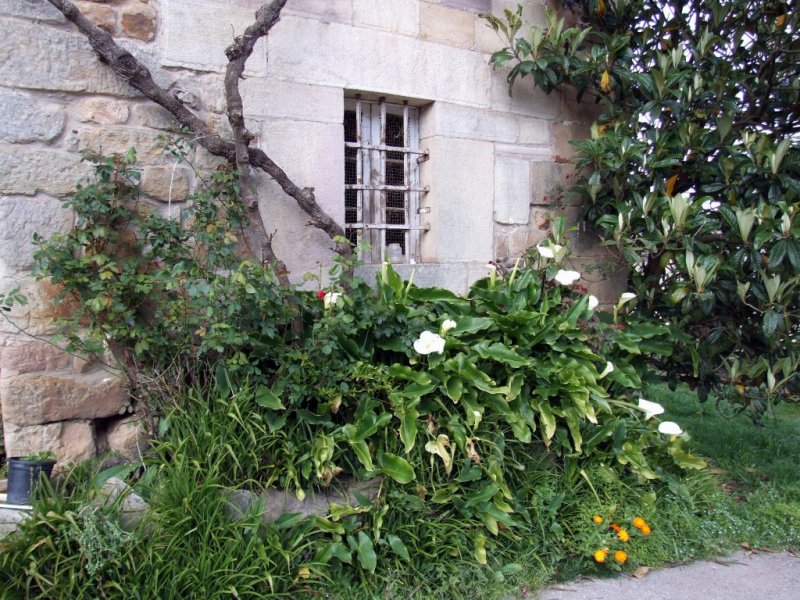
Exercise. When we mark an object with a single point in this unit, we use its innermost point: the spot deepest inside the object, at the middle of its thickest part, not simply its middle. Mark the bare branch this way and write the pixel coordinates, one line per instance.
(138, 76)
(238, 53)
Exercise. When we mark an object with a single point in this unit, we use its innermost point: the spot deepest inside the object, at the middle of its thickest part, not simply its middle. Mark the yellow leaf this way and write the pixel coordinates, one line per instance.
(671, 184)
(601, 8)
(779, 22)
(605, 82)
(106, 275)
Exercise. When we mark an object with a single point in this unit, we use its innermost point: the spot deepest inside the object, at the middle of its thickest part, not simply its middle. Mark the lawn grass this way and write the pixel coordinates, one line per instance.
(758, 467)
(749, 496)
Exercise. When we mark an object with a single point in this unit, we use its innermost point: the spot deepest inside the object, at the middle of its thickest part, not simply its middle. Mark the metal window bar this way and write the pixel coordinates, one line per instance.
(382, 188)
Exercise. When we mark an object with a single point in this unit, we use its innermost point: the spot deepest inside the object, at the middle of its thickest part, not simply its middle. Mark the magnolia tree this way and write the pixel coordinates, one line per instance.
(692, 171)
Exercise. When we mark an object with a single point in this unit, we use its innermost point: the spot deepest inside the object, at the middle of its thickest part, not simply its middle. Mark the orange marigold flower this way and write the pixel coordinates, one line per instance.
(639, 522)
(615, 527)
(646, 529)
(623, 535)
(600, 555)
(620, 556)
(597, 519)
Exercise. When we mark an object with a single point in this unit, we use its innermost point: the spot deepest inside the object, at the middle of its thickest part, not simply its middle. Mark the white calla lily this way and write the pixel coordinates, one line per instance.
(651, 409)
(626, 297)
(429, 342)
(669, 428)
(567, 277)
(593, 302)
(609, 368)
(448, 325)
(545, 252)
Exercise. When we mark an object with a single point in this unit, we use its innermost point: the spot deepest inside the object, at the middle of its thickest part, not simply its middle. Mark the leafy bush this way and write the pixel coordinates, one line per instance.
(488, 416)
(692, 172)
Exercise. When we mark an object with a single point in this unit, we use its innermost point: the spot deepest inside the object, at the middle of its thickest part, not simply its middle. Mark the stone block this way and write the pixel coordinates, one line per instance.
(20, 219)
(103, 111)
(100, 15)
(26, 356)
(138, 21)
(26, 119)
(275, 99)
(168, 184)
(31, 9)
(453, 120)
(316, 162)
(10, 519)
(487, 40)
(125, 437)
(156, 117)
(461, 179)
(377, 61)
(28, 170)
(512, 190)
(118, 140)
(397, 16)
(563, 133)
(445, 25)
(512, 241)
(132, 507)
(219, 21)
(472, 5)
(339, 11)
(72, 441)
(550, 184)
(525, 99)
(44, 58)
(38, 398)
(533, 131)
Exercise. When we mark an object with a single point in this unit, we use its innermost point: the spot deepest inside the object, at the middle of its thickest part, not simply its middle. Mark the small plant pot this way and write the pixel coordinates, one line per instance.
(24, 476)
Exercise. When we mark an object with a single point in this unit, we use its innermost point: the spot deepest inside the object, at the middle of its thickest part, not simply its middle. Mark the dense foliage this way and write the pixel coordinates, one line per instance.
(692, 171)
(460, 405)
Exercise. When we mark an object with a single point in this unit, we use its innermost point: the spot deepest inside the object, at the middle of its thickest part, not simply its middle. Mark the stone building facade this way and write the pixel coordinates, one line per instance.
(338, 85)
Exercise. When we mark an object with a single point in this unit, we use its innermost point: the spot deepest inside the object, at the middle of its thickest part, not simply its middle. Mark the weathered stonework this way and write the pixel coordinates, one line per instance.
(102, 111)
(72, 441)
(27, 119)
(166, 183)
(35, 398)
(497, 169)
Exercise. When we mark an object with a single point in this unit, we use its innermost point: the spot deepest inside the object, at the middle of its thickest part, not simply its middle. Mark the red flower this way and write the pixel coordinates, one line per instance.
(321, 294)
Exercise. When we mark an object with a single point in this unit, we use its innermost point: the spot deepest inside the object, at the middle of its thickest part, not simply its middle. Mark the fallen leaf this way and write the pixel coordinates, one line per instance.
(641, 572)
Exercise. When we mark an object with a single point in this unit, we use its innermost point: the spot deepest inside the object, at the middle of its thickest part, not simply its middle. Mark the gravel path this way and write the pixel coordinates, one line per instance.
(741, 576)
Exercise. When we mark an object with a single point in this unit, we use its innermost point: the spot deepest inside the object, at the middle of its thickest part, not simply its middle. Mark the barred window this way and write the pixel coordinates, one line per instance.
(381, 176)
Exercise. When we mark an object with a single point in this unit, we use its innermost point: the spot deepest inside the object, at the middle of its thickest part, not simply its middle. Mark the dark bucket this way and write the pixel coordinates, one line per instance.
(24, 476)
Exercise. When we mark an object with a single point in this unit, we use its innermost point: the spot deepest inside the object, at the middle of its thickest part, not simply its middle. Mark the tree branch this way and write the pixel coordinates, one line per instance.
(138, 76)
(238, 52)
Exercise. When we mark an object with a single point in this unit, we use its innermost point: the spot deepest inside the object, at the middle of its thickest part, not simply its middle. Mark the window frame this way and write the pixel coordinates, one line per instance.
(371, 187)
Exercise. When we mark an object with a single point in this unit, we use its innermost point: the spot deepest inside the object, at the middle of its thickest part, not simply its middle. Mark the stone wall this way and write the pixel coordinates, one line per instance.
(496, 164)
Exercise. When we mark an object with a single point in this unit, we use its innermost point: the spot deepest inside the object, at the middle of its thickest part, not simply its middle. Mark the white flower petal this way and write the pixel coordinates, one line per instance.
(593, 302)
(546, 252)
(429, 342)
(651, 409)
(669, 428)
(567, 277)
(331, 298)
(609, 368)
(448, 325)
